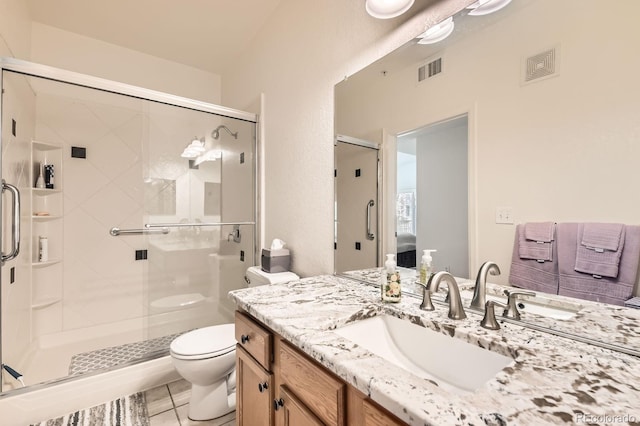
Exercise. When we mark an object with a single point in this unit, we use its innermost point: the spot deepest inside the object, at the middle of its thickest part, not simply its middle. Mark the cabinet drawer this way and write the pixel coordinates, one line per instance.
(315, 388)
(254, 338)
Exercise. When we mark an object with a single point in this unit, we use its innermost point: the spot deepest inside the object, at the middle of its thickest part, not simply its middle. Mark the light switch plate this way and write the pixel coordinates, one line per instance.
(504, 215)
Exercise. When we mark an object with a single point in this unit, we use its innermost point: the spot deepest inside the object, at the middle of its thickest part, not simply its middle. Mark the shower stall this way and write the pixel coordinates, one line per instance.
(127, 217)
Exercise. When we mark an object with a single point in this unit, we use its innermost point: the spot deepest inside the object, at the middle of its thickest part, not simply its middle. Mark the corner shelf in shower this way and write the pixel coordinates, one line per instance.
(45, 264)
(46, 277)
(44, 303)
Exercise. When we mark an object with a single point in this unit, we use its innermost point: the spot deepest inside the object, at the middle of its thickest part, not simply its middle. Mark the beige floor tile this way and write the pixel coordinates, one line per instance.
(180, 392)
(183, 414)
(158, 400)
(168, 418)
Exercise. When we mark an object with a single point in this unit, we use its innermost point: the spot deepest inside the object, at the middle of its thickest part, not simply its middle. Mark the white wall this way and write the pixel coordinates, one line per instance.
(295, 61)
(15, 29)
(66, 50)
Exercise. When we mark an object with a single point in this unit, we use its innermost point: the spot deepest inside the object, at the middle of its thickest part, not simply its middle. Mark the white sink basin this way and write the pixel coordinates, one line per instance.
(453, 364)
(530, 306)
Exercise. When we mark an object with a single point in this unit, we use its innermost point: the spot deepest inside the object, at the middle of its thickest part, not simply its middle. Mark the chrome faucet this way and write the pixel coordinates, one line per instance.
(456, 311)
(480, 290)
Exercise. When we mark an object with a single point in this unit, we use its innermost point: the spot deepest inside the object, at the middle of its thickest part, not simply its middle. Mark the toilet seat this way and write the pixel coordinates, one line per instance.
(207, 342)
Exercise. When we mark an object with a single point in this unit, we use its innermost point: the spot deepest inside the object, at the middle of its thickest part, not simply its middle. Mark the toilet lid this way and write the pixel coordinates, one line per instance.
(205, 341)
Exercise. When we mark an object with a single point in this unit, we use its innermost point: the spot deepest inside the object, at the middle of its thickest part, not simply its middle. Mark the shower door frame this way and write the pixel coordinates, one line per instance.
(78, 79)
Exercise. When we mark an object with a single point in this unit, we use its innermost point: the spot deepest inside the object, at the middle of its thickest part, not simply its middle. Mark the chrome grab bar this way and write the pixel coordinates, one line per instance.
(196, 224)
(370, 235)
(117, 231)
(15, 226)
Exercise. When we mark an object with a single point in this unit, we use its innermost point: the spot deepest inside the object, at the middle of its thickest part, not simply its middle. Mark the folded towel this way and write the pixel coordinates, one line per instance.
(606, 290)
(539, 247)
(599, 248)
(542, 232)
(531, 274)
(604, 236)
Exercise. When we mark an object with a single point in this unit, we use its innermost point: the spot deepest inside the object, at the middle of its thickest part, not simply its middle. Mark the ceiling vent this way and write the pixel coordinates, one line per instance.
(541, 66)
(429, 69)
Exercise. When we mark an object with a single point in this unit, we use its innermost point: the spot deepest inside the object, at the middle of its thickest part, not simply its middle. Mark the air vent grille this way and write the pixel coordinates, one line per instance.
(542, 65)
(430, 69)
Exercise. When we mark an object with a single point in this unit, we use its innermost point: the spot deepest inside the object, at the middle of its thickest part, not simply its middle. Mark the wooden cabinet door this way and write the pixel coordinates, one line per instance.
(292, 412)
(254, 392)
(373, 416)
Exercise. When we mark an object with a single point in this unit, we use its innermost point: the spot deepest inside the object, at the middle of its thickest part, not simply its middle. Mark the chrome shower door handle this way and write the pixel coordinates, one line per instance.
(15, 226)
(370, 235)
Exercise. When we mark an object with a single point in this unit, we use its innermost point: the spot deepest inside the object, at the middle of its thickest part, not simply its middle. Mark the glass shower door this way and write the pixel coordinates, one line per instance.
(112, 281)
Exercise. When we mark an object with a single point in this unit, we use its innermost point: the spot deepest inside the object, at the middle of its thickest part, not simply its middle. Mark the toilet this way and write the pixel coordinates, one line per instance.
(206, 358)
(255, 276)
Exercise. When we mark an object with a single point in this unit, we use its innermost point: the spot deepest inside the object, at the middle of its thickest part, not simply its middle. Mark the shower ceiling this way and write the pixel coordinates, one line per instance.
(205, 34)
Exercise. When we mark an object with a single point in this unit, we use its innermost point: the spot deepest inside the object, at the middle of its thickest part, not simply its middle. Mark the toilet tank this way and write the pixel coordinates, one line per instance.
(255, 276)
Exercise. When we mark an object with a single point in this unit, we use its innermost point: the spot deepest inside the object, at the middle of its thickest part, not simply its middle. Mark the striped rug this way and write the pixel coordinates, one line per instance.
(126, 411)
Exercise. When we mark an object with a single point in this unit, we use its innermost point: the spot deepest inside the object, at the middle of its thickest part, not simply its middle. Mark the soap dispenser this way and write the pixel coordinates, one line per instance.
(426, 268)
(390, 281)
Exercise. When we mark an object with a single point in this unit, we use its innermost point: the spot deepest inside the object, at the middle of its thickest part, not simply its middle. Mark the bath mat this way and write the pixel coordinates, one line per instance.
(126, 411)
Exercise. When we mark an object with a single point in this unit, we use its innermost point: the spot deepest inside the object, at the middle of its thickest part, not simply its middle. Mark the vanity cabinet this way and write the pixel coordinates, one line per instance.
(254, 391)
(255, 382)
(300, 392)
(316, 389)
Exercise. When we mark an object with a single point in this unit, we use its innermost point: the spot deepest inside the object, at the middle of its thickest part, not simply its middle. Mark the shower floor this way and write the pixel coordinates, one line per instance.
(116, 355)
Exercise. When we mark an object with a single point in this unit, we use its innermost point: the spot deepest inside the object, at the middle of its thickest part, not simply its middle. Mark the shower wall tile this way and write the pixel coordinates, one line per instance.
(112, 156)
(81, 179)
(101, 206)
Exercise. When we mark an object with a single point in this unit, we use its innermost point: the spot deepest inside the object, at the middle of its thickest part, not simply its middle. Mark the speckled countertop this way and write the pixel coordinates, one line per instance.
(552, 380)
(611, 324)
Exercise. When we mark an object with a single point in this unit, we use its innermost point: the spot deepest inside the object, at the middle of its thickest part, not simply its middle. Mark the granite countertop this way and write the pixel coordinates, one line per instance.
(552, 380)
(610, 324)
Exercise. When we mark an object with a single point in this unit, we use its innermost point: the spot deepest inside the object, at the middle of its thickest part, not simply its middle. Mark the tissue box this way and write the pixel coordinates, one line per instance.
(274, 261)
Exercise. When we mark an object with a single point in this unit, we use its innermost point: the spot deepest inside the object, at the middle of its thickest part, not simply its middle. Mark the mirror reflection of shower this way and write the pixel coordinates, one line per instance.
(216, 133)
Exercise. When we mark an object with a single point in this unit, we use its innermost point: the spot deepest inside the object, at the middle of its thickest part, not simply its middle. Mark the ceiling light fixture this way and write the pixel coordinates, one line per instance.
(385, 9)
(438, 32)
(485, 7)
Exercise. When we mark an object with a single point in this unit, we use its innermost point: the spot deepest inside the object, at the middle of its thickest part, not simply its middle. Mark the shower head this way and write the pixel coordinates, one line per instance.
(216, 133)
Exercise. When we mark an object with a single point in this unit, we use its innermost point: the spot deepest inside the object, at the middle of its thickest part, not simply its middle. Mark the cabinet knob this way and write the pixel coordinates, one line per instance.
(277, 403)
(244, 339)
(263, 386)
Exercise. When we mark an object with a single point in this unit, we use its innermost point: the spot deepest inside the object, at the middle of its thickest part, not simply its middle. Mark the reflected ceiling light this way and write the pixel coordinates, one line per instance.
(485, 7)
(437, 32)
(211, 155)
(195, 148)
(385, 9)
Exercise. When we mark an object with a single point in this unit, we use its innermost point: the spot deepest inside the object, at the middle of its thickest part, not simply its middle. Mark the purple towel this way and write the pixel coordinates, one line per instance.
(534, 241)
(531, 274)
(599, 248)
(584, 286)
(542, 232)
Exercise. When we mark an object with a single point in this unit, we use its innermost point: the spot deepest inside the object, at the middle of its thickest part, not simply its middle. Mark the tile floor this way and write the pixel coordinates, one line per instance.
(168, 405)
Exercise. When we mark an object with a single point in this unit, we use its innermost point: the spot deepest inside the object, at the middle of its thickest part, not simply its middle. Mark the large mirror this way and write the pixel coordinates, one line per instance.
(548, 95)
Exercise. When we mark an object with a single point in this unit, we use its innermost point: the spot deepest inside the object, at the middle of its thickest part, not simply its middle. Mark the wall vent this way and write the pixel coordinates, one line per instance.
(541, 66)
(429, 69)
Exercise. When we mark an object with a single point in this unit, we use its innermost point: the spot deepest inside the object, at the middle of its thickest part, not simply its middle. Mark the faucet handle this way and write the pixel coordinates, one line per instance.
(489, 320)
(511, 310)
(426, 304)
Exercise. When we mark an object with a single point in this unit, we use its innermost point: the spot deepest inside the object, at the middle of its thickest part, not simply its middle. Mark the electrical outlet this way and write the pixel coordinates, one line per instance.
(504, 215)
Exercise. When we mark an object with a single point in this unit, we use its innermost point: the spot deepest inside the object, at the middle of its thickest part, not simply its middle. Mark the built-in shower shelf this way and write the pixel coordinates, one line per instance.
(43, 264)
(45, 146)
(45, 218)
(44, 303)
(45, 191)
